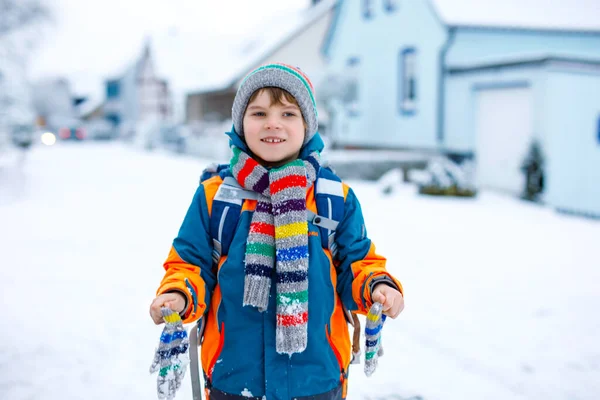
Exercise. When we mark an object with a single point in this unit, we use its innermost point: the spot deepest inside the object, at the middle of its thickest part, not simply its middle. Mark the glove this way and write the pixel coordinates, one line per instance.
(171, 358)
(373, 349)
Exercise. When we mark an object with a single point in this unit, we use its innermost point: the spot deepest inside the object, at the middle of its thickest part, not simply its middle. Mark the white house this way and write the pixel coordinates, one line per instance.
(297, 41)
(139, 94)
(54, 104)
(478, 79)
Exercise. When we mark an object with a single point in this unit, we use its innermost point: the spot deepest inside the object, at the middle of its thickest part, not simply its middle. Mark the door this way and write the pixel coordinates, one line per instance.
(503, 135)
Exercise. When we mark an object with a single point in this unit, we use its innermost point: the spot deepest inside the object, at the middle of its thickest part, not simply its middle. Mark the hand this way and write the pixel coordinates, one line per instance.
(173, 300)
(391, 299)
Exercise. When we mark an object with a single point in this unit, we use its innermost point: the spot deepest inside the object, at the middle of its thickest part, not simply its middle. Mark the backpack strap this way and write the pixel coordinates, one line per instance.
(329, 196)
(226, 209)
(196, 334)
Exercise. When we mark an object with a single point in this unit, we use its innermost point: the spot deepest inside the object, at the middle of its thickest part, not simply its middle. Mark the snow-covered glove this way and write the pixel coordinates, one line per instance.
(373, 349)
(171, 358)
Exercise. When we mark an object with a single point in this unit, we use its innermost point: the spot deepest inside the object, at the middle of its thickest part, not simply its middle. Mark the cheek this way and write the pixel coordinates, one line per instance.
(251, 130)
(248, 125)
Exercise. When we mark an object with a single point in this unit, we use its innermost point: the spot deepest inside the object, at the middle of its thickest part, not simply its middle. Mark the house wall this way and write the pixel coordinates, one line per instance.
(139, 94)
(153, 95)
(460, 102)
(128, 101)
(209, 106)
(376, 44)
(147, 91)
(572, 149)
(193, 110)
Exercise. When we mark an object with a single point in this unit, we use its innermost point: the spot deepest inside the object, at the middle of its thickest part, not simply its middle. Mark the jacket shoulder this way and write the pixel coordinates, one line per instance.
(211, 186)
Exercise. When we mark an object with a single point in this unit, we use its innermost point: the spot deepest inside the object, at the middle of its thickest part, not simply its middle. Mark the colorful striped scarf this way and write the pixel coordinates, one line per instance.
(277, 245)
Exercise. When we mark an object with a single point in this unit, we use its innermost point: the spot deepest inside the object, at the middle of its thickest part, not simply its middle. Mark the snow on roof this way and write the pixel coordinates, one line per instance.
(572, 15)
(183, 58)
(87, 85)
(89, 105)
(497, 60)
(234, 59)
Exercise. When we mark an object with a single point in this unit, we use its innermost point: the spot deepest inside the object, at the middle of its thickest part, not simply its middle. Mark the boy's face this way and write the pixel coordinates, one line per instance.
(273, 132)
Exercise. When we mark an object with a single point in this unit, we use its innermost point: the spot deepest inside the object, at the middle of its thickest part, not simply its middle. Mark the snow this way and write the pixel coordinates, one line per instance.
(501, 295)
(543, 14)
(245, 53)
(191, 39)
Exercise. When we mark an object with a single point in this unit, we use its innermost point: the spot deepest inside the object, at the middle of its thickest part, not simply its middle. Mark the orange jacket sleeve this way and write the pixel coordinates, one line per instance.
(188, 268)
(359, 267)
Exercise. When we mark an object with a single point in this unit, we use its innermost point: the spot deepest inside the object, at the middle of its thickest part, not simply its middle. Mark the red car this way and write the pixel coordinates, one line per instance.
(68, 133)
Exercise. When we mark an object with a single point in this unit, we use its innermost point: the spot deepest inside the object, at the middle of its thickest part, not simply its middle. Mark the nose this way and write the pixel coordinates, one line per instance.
(272, 123)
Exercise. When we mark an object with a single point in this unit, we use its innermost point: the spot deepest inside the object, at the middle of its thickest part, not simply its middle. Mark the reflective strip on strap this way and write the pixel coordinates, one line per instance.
(330, 187)
(230, 191)
(228, 195)
(216, 253)
(332, 244)
(222, 223)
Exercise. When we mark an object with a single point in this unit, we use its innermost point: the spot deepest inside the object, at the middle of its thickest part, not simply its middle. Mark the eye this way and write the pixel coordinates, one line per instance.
(289, 114)
(259, 114)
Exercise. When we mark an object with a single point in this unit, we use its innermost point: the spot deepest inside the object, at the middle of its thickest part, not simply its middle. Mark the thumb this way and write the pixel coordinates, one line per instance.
(378, 297)
(170, 305)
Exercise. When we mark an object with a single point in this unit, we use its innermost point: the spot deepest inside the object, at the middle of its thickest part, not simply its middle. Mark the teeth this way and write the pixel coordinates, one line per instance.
(270, 140)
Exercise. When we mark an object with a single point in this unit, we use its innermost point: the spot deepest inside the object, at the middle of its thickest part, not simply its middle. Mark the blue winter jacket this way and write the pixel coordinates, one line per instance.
(238, 353)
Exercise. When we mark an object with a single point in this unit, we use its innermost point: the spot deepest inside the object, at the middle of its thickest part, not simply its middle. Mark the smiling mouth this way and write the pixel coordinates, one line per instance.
(272, 140)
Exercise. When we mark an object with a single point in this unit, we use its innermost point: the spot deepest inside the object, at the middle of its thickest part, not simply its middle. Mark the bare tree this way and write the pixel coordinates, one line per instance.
(18, 22)
(18, 14)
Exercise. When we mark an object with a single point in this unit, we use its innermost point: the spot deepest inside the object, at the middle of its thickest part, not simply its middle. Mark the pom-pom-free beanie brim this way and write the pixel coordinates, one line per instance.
(284, 77)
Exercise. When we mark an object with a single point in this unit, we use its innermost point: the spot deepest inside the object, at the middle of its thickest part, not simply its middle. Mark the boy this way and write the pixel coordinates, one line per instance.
(274, 306)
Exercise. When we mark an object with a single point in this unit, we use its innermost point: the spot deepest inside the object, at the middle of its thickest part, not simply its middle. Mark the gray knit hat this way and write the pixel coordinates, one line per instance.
(284, 77)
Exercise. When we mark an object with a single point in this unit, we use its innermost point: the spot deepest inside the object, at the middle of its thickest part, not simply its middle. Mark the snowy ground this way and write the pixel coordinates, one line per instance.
(502, 296)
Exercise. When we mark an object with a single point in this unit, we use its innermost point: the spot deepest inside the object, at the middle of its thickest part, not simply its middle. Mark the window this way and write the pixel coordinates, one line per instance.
(367, 9)
(114, 118)
(351, 95)
(408, 80)
(112, 89)
(390, 5)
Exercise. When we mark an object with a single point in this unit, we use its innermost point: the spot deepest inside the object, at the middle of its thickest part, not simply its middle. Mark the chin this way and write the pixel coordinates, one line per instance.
(274, 161)
(272, 158)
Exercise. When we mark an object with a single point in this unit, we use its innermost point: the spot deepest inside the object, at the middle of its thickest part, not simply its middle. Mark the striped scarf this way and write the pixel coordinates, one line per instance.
(278, 242)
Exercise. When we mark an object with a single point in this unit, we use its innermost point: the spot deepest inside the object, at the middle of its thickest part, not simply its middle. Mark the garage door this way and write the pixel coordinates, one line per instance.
(503, 136)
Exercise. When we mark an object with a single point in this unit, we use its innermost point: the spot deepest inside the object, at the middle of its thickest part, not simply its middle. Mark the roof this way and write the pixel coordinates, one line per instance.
(234, 64)
(530, 60)
(572, 15)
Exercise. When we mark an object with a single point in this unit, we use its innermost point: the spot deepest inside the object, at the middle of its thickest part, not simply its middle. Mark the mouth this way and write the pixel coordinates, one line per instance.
(272, 140)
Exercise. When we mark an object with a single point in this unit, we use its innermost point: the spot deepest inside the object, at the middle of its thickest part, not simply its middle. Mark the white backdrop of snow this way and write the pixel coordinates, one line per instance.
(501, 295)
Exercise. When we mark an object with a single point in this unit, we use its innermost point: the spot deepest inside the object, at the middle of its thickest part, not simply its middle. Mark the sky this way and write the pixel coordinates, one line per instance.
(89, 40)
(501, 295)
